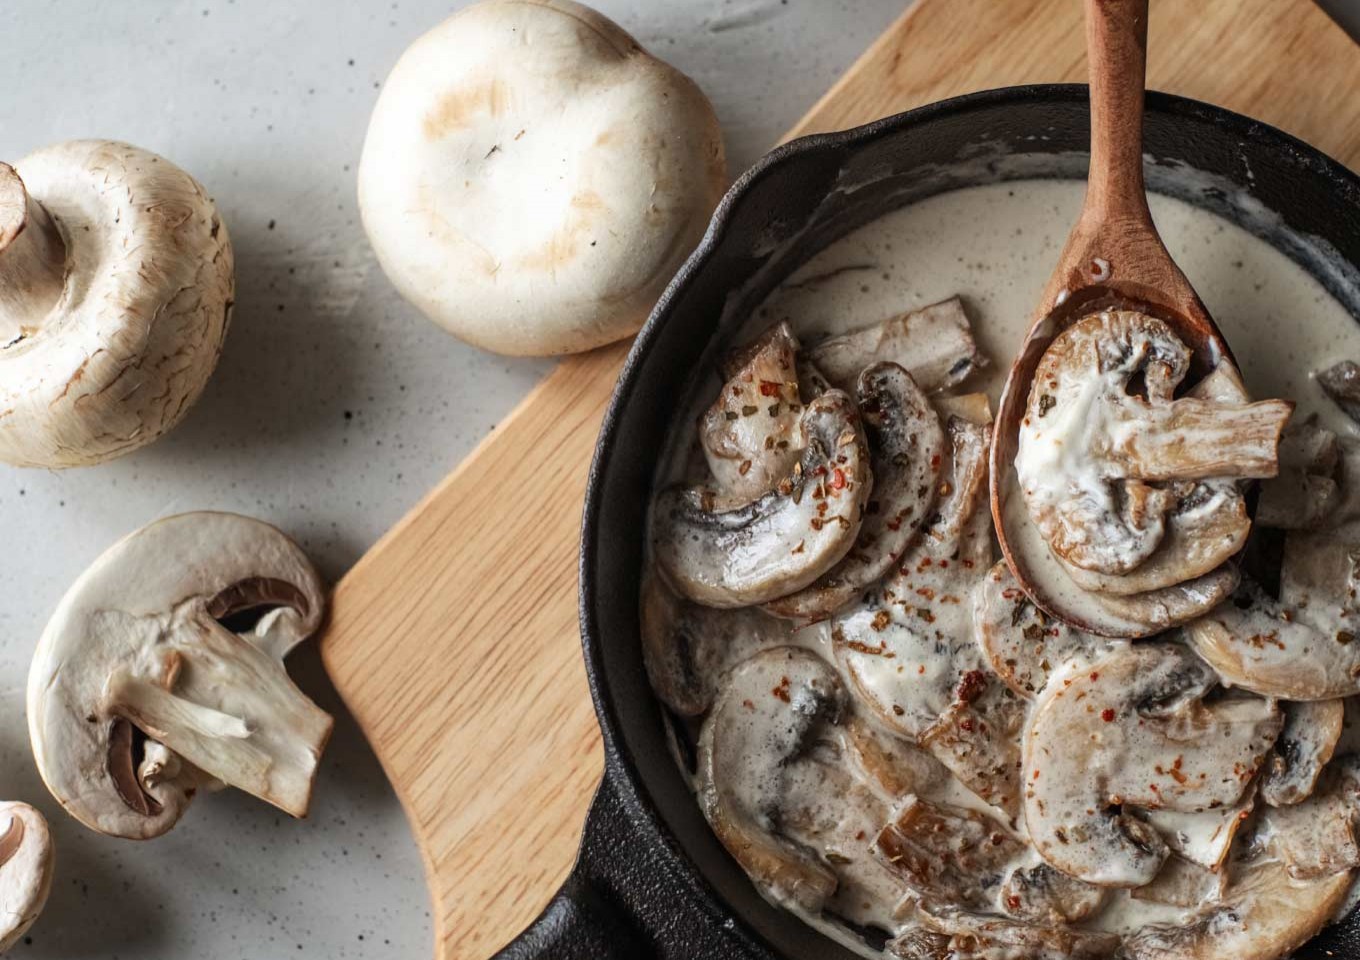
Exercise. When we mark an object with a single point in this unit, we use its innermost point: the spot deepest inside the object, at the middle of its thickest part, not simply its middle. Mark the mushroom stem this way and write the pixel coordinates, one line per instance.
(32, 260)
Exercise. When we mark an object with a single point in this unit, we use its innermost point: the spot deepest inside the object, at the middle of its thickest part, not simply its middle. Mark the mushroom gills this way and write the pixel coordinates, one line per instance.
(750, 433)
(907, 446)
(1310, 734)
(1154, 741)
(935, 344)
(782, 541)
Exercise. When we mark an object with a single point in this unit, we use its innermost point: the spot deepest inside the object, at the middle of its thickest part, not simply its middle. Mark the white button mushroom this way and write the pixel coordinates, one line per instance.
(147, 684)
(116, 285)
(532, 177)
(25, 869)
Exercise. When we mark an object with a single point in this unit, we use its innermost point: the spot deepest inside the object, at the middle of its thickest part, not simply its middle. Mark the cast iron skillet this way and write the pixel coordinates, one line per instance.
(651, 879)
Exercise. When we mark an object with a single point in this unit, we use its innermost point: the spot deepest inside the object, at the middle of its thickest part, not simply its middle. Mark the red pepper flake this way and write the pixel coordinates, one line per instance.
(967, 724)
(1095, 675)
(769, 388)
(782, 691)
(1107, 715)
(971, 686)
(838, 479)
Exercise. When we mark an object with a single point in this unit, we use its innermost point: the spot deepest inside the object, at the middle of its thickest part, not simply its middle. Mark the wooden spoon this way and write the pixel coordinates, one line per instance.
(1113, 257)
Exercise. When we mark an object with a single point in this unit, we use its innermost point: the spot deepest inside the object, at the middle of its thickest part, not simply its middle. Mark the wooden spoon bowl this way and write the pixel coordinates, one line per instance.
(1114, 258)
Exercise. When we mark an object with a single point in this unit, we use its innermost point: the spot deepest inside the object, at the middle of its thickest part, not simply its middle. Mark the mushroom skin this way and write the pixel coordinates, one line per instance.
(894, 766)
(140, 643)
(782, 541)
(1316, 837)
(770, 706)
(1039, 894)
(1204, 837)
(26, 868)
(532, 177)
(934, 344)
(1133, 729)
(1307, 490)
(985, 937)
(116, 288)
(1310, 734)
(1341, 382)
(907, 445)
(750, 433)
(1090, 450)
(1183, 883)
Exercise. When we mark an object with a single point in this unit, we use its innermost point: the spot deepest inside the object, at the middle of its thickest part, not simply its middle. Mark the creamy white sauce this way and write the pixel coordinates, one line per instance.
(995, 245)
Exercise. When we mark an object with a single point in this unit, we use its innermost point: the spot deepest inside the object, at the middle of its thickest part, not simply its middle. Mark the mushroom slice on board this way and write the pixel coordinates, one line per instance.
(1310, 734)
(26, 864)
(1317, 836)
(1263, 914)
(1206, 526)
(750, 433)
(935, 344)
(769, 710)
(908, 453)
(1039, 894)
(782, 541)
(907, 646)
(1307, 490)
(1091, 449)
(1203, 836)
(1341, 382)
(947, 855)
(985, 937)
(687, 646)
(1302, 646)
(1133, 729)
(116, 289)
(141, 690)
(1023, 645)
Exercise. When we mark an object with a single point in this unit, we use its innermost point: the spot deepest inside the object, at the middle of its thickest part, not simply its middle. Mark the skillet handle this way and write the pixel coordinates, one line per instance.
(587, 919)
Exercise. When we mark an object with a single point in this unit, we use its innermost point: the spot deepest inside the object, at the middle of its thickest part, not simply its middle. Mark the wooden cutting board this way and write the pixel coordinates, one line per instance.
(454, 640)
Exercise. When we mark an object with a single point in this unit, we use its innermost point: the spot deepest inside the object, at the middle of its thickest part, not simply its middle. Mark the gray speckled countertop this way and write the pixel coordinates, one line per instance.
(334, 409)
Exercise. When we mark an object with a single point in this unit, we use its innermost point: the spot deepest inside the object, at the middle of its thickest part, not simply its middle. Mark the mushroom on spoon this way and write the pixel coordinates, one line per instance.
(1117, 287)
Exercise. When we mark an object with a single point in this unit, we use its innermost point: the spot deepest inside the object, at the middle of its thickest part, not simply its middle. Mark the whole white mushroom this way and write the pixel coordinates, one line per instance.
(532, 177)
(116, 287)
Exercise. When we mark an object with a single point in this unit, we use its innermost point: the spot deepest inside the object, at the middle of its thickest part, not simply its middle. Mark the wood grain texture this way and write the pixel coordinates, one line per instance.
(454, 640)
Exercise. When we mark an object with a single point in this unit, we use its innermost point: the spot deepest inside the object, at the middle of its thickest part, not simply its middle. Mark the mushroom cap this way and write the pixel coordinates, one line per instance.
(782, 541)
(1132, 728)
(149, 284)
(532, 177)
(26, 866)
(1306, 742)
(125, 617)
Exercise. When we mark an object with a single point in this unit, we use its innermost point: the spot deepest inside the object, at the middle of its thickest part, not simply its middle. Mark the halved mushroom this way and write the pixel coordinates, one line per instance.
(908, 451)
(1183, 883)
(1301, 646)
(906, 647)
(935, 344)
(687, 646)
(982, 937)
(769, 710)
(1203, 836)
(26, 861)
(1133, 729)
(1341, 382)
(1307, 489)
(1264, 914)
(141, 690)
(1039, 894)
(1091, 448)
(116, 290)
(750, 433)
(1024, 645)
(947, 855)
(1206, 526)
(782, 541)
(1310, 733)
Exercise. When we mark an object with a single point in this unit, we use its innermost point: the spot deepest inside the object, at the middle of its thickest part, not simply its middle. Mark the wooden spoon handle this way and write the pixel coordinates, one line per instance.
(1116, 38)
